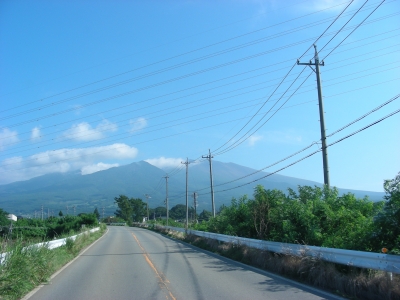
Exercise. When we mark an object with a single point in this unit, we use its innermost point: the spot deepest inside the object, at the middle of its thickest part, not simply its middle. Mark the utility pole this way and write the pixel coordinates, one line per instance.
(74, 207)
(195, 206)
(147, 199)
(42, 212)
(48, 213)
(316, 63)
(166, 195)
(103, 212)
(209, 157)
(67, 210)
(187, 203)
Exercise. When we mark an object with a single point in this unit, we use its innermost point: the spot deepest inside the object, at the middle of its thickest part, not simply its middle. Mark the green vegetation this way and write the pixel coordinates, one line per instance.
(314, 216)
(42, 230)
(27, 267)
(130, 209)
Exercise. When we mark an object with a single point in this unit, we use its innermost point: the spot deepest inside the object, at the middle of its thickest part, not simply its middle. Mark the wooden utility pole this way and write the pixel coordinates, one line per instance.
(316, 63)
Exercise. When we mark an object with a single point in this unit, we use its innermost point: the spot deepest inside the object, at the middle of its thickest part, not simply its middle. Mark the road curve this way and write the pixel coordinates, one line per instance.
(134, 263)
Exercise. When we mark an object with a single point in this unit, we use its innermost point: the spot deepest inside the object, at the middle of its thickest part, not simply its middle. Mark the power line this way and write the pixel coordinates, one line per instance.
(313, 153)
(354, 29)
(179, 55)
(351, 58)
(313, 143)
(221, 152)
(167, 44)
(152, 85)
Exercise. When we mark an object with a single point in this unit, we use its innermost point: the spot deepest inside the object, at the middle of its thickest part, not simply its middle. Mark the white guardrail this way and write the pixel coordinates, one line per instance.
(369, 260)
(52, 244)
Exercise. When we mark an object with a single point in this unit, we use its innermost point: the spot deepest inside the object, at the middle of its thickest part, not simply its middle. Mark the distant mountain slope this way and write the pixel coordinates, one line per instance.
(56, 191)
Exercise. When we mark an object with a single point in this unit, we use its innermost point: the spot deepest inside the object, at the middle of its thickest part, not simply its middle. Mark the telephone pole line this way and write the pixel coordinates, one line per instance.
(209, 157)
(42, 212)
(316, 63)
(147, 199)
(166, 195)
(187, 203)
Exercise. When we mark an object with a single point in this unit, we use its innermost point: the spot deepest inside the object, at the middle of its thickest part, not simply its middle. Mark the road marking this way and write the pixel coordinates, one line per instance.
(163, 281)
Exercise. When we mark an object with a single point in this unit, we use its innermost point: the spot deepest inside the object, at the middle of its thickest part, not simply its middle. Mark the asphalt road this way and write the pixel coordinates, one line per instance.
(133, 263)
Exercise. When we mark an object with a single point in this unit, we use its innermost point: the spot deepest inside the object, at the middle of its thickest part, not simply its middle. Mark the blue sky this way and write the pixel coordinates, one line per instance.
(88, 85)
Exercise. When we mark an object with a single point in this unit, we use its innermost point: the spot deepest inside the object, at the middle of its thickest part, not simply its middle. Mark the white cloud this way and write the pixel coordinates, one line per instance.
(164, 162)
(137, 124)
(36, 134)
(61, 160)
(7, 137)
(96, 168)
(84, 131)
(254, 138)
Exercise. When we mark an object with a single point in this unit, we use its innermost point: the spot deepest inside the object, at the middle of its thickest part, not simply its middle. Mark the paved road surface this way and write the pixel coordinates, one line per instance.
(133, 263)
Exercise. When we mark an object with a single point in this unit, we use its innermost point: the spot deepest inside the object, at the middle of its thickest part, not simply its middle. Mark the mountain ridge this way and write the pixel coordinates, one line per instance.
(56, 191)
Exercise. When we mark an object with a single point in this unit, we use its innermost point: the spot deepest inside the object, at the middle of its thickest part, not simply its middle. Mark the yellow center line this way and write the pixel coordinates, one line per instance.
(161, 277)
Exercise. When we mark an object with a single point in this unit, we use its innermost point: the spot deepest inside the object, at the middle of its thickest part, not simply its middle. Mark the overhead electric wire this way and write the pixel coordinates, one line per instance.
(337, 17)
(179, 55)
(101, 151)
(312, 144)
(167, 44)
(351, 58)
(313, 153)
(145, 76)
(354, 29)
(340, 30)
(153, 85)
(238, 142)
(243, 138)
(218, 114)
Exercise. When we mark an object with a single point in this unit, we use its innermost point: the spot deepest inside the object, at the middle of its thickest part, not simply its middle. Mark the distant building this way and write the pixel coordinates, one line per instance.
(12, 217)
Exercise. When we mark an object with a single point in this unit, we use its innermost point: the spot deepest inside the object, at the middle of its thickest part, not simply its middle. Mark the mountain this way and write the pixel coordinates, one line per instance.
(56, 191)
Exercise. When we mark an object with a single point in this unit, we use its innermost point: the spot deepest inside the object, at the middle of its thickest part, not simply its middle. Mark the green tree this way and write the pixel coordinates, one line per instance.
(60, 213)
(97, 214)
(388, 220)
(178, 212)
(3, 218)
(138, 209)
(125, 208)
(205, 215)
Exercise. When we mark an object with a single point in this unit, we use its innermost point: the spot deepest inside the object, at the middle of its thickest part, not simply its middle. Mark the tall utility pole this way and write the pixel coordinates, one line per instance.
(166, 196)
(42, 212)
(74, 209)
(316, 63)
(103, 212)
(209, 157)
(147, 199)
(67, 210)
(187, 203)
(195, 206)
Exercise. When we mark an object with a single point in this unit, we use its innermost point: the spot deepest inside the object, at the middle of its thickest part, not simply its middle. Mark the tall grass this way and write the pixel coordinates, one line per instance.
(27, 267)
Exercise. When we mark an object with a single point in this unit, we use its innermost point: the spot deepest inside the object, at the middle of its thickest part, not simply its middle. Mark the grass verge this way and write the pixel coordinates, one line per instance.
(345, 281)
(27, 267)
